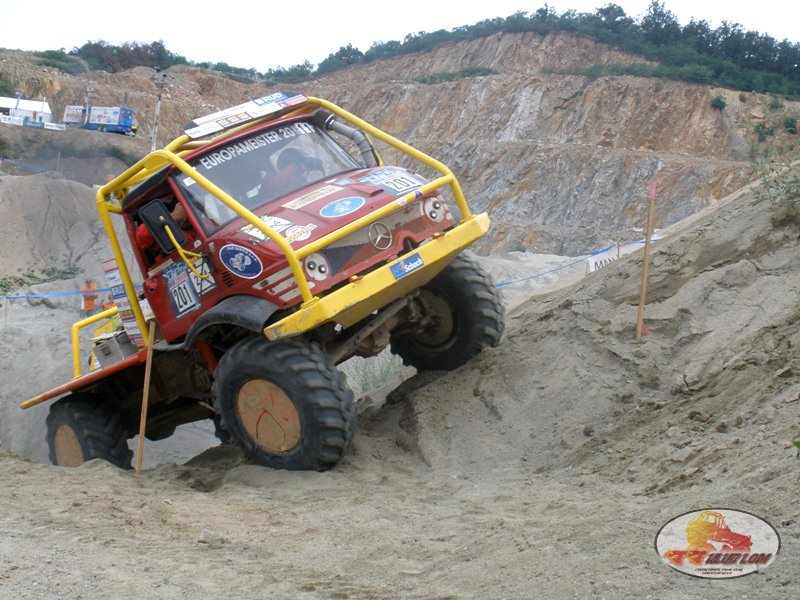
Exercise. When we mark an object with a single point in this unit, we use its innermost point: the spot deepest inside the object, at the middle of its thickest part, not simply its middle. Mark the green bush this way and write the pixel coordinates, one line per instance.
(718, 102)
(126, 156)
(775, 104)
(451, 76)
(790, 124)
(58, 59)
(6, 89)
(742, 97)
(764, 132)
(100, 55)
(13, 282)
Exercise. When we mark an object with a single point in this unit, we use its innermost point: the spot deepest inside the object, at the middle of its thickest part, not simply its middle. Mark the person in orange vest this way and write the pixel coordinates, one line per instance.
(88, 298)
(109, 303)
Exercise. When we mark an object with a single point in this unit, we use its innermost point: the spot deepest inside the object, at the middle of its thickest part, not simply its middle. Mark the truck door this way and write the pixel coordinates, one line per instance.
(176, 292)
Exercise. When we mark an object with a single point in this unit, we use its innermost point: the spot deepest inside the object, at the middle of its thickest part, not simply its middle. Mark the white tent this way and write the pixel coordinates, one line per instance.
(35, 110)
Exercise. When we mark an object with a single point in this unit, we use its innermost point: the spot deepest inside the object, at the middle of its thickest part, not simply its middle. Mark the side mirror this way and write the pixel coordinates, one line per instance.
(155, 215)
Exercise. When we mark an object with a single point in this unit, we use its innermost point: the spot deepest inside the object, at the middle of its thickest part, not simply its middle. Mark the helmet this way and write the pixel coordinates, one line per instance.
(300, 159)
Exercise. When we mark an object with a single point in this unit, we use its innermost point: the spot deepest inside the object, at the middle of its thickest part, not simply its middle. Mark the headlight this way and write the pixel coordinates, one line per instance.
(435, 209)
(317, 267)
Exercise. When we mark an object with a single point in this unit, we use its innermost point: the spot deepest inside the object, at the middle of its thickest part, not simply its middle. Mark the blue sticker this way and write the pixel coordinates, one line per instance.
(405, 266)
(271, 98)
(240, 261)
(340, 208)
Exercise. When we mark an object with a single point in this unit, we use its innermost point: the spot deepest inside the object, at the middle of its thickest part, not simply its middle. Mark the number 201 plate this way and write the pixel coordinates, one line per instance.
(182, 293)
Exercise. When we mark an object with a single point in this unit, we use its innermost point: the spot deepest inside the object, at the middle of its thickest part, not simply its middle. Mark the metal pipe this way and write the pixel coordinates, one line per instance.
(327, 121)
(466, 213)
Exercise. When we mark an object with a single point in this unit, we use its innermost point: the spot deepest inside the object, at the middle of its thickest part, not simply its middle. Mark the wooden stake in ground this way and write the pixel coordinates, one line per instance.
(651, 199)
(145, 396)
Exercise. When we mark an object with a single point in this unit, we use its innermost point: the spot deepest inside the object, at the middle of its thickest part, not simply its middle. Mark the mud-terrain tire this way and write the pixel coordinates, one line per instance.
(80, 429)
(470, 317)
(285, 403)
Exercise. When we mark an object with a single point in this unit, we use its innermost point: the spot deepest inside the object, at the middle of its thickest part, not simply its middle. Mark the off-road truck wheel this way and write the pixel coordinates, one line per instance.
(79, 429)
(462, 315)
(285, 403)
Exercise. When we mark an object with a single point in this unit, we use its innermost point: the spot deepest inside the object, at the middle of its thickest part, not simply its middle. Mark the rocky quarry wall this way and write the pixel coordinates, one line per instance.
(561, 162)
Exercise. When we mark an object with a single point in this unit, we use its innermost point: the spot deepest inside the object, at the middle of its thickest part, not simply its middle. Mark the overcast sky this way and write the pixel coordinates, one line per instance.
(269, 34)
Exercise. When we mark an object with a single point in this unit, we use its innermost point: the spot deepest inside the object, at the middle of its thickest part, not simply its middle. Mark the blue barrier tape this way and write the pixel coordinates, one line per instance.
(36, 169)
(57, 294)
(555, 269)
(601, 251)
(563, 266)
(540, 274)
(29, 167)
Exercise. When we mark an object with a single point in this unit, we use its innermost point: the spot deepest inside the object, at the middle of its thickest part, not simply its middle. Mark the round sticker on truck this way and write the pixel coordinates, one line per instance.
(342, 207)
(240, 261)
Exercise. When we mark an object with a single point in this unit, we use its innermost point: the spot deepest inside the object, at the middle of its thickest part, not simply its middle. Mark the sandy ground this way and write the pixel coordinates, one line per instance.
(543, 468)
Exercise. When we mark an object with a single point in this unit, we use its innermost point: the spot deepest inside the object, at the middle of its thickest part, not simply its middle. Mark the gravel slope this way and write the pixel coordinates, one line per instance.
(544, 468)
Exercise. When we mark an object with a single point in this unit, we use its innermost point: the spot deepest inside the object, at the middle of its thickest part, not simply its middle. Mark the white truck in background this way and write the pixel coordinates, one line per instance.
(113, 119)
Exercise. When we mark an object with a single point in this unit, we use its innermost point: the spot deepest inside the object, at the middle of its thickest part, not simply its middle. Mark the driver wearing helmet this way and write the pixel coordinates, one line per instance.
(297, 168)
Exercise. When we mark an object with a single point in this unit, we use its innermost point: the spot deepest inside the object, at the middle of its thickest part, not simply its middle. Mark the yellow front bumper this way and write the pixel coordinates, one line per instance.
(354, 301)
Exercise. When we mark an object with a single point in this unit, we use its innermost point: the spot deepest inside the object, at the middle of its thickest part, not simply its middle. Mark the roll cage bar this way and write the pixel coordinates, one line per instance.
(111, 196)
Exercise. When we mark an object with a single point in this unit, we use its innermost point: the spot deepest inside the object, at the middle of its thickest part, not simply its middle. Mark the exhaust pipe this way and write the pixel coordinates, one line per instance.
(326, 121)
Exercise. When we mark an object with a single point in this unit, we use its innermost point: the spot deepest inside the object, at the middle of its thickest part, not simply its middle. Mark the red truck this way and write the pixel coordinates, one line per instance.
(273, 244)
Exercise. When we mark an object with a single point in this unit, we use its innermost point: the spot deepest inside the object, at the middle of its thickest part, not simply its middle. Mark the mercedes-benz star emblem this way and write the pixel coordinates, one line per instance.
(380, 236)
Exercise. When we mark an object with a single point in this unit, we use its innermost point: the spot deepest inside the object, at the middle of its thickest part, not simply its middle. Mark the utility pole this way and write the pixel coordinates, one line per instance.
(159, 79)
(88, 90)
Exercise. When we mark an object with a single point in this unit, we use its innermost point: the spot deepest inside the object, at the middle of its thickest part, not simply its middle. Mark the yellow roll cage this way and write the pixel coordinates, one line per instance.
(110, 196)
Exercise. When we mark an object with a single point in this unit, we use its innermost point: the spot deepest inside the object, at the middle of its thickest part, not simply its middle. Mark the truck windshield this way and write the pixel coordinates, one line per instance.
(262, 168)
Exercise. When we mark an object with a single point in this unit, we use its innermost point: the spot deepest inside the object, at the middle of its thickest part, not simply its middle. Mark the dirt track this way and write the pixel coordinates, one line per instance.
(544, 468)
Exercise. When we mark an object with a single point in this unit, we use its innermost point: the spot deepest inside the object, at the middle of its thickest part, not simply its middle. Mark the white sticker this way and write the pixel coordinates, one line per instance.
(299, 233)
(206, 283)
(183, 298)
(401, 183)
(276, 223)
(306, 199)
